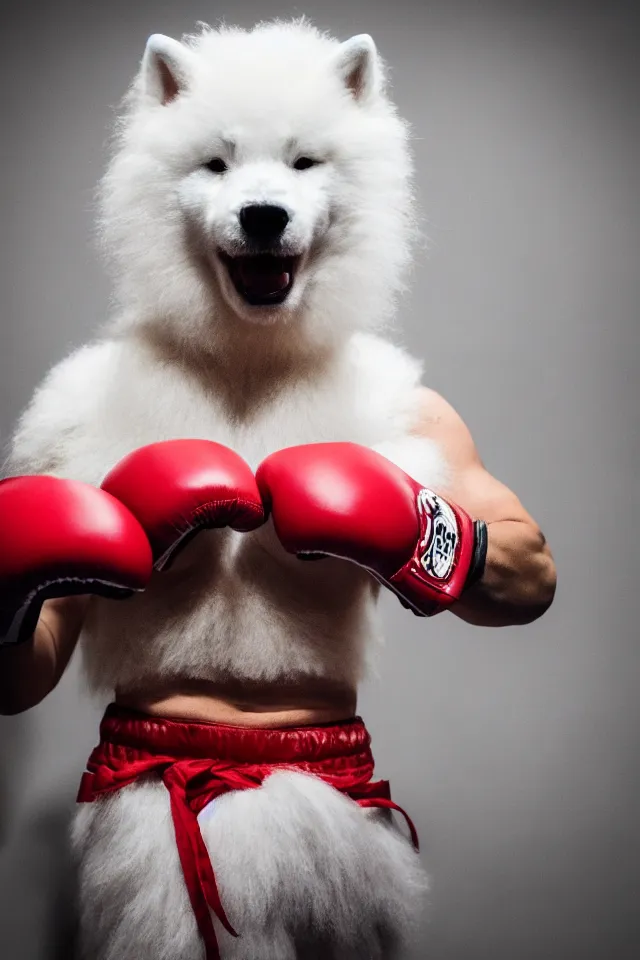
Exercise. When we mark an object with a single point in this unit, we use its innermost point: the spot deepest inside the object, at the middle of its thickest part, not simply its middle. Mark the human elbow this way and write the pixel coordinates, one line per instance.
(542, 589)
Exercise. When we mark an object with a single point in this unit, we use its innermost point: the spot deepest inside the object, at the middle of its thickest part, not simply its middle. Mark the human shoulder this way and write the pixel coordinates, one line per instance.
(436, 419)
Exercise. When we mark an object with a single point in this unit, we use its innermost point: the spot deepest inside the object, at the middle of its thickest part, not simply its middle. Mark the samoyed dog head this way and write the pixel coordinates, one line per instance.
(261, 180)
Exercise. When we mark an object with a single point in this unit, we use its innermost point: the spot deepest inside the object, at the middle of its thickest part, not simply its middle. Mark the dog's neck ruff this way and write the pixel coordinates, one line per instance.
(198, 762)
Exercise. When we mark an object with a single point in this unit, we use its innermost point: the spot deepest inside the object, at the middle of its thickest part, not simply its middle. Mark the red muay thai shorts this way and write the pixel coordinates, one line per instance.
(198, 762)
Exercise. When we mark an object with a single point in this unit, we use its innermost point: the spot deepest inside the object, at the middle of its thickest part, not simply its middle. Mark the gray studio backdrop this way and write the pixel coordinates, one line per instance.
(515, 750)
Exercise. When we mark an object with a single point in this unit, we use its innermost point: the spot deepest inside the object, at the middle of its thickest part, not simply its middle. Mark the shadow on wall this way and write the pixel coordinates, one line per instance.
(60, 916)
(37, 857)
(13, 751)
(49, 873)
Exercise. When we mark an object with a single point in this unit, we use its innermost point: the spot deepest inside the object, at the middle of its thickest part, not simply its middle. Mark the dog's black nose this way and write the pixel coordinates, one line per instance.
(263, 222)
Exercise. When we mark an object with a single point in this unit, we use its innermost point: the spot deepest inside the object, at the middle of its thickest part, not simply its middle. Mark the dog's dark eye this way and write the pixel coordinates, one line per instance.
(304, 163)
(216, 165)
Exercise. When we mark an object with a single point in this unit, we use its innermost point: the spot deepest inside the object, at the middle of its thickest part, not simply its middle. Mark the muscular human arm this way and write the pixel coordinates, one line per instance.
(519, 580)
(30, 670)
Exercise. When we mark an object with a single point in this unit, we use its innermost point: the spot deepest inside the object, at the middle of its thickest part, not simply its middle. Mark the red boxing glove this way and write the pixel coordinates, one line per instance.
(61, 537)
(348, 501)
(177, 487)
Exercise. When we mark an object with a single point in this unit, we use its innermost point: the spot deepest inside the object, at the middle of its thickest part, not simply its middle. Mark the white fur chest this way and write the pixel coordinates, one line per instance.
(231, 604)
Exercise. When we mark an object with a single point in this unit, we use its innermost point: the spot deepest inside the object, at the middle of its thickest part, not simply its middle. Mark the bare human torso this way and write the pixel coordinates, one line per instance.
(251, 704)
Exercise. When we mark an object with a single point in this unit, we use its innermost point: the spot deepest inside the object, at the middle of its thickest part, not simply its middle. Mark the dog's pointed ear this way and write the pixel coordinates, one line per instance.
(359, 66)
(166, 68)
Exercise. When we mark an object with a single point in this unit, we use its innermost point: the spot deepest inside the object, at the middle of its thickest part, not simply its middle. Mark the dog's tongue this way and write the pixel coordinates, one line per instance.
(263, 277)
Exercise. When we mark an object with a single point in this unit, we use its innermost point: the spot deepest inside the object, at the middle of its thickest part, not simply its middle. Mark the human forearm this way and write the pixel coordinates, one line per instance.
(519, 579)
(30, 670)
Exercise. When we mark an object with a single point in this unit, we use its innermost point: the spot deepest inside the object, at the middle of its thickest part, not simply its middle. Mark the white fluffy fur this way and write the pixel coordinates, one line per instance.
(303, 873)
(183, 357)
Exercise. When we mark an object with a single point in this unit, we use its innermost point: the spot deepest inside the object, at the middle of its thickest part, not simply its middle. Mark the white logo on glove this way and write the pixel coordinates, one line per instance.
(441, 535)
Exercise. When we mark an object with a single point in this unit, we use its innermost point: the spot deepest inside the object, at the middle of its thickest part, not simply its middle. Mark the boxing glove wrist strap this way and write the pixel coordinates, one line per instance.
(18, 623)
(479, 558)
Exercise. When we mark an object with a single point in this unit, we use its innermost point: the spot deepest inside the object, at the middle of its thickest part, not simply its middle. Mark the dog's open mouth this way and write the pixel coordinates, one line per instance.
(261, 279)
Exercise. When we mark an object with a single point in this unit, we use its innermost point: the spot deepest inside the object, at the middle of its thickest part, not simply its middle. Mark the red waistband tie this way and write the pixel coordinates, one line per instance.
(133, 746)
